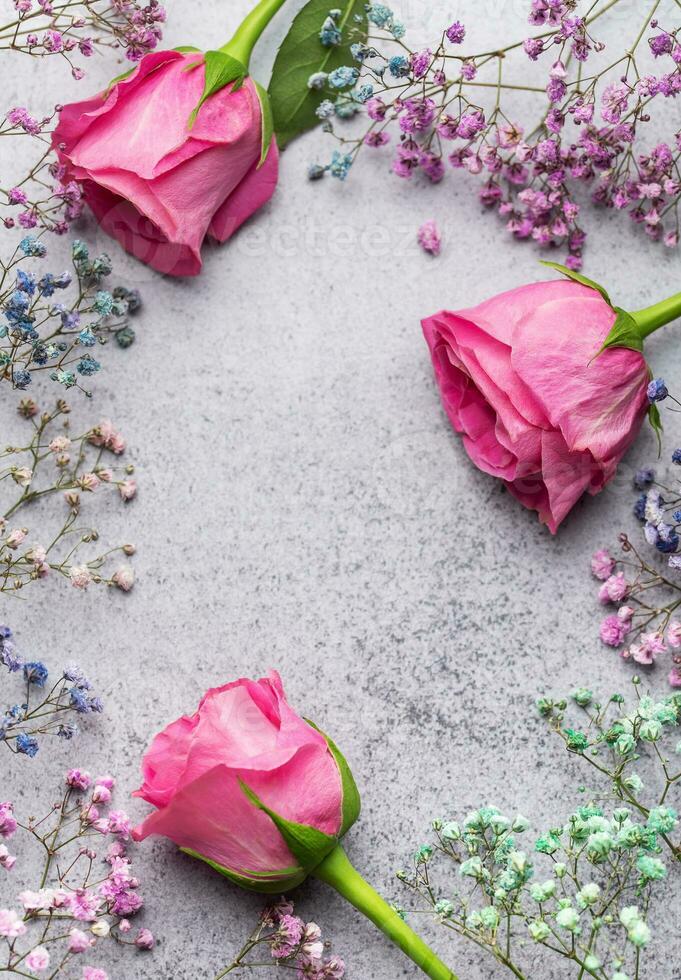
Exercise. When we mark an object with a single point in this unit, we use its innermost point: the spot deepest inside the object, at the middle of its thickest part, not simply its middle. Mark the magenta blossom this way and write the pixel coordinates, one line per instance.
(539, 404)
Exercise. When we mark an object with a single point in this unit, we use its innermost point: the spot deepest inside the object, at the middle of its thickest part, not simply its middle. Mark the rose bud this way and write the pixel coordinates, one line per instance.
(264, 798)
(548, 386)
(175, 151)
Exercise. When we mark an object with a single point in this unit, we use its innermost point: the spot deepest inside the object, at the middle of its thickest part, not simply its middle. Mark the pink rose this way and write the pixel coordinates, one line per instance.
(227, 780)
(157, 185)
(520, 380)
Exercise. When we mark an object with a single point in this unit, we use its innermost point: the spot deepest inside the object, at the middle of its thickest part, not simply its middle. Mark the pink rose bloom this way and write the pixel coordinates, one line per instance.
(518, 380)
(157, 186)
(201, 773)
(602, 564)
(613, 630)
(614, 589)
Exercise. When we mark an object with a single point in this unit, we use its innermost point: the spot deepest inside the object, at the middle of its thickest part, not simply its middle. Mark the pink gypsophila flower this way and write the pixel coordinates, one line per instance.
(614, 589)
(613, 631)
(429, 238)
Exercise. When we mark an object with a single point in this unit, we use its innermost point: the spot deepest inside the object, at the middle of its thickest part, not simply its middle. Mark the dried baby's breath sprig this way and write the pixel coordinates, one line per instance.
(581, 891)
(40, 335)
(635, 746)
(57, 466)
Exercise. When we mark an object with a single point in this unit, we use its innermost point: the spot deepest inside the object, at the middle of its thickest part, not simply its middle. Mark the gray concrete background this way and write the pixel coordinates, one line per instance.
(304, 504)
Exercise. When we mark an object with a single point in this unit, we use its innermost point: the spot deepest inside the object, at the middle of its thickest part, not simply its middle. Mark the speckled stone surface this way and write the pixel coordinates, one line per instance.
(304, 505)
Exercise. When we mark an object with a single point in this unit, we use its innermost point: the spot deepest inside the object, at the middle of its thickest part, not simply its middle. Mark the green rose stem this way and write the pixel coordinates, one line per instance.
(337, 871)
(658, 315)
(248, 32)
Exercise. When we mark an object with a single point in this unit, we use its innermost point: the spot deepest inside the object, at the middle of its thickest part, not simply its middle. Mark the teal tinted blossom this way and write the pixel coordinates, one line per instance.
(489, 917)
(472, 868)
(598, 846)
(651, 868)
(325, 109)
(330, 34)
(104, 302)
(663, 820)
(583, 696)
(576, 741)
(625, 744)
(451, 831)
(444, 909)
(568, 918)
(424, 854)
(380, 15)
(520, 824)
(547, 843)
(633, 782)
(639, 934)
(538, 930)
(588, 895)
(542, 892)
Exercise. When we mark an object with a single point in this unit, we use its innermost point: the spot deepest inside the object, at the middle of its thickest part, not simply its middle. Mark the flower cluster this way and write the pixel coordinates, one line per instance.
(621, 742)
(54, 463)
(292, 945)
(430, 106)
(39, 333)
(582, 890)
(49, 707)
(75, 30)
(87, 891)
(645, 595)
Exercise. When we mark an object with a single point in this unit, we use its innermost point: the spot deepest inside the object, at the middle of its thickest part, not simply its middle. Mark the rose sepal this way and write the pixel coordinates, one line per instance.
(270, 883)
(352, 804)
(222, 69)
(308, 845)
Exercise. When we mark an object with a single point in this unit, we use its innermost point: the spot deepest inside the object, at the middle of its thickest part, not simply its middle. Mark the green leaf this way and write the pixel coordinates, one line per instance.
(267, 884)
(221, 69)
(623, 333)
(308, 845)
(578, 277)
(186, 48)
(267, 122)
(656, 422)
(352, 803)
(301, 55)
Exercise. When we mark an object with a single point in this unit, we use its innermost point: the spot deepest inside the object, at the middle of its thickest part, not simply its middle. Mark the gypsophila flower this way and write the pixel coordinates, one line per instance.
(591, 133)
(70, 898)
(61, 472)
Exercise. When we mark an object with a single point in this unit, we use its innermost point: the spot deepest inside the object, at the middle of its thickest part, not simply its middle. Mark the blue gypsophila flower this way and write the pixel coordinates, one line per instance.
(87, 338)
(643, 478)
(398, 66)
(96, 705)
(22, 379)
(35, 672)
(79, 701)
(5, 632)
(67, 732)
(343, 77)
(27, 744)
(8, 656)
(73, 673)
(104, 302)
(330, 35)
(640, 507)
(325, 109)
(317, 80)
(340, 165)
(668, 540)
(398, 30)
(315, 171)
(88, 366)
(677, 515)
(657, 390)
(380, 15)
(31, 246)
(25, 282)
(363, 92)
(676, 456)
